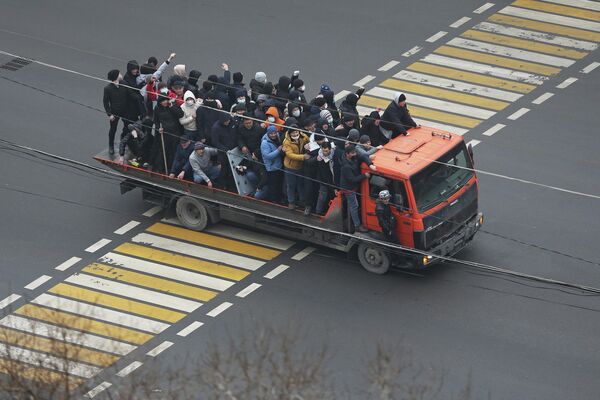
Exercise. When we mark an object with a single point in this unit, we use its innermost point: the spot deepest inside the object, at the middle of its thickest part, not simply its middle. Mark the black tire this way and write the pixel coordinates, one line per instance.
(192, 213)
(374, 258)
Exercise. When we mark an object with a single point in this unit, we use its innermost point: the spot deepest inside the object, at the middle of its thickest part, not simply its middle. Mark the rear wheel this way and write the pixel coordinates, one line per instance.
(192, 213)
(374, 258)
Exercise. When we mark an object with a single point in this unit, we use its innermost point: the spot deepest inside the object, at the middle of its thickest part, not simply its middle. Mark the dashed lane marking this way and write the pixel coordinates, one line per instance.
(543, 98)
(152, 212)
(219, 309)
(98, 245)
(567, 82)
(435, 37)
(303, 253)
(68, 264)
(129, 369)
(590, 67)
(160, 348)
(460, 22)
(341, 95)
(484, 8)
(97, 390)
(412, 51)
(493, 129)
(473, 143)
(248, 289)
(189, 329)
(38, 282)
(364, 81)
(276, 271)
(518, 114)
(127, 227)
(388, 66)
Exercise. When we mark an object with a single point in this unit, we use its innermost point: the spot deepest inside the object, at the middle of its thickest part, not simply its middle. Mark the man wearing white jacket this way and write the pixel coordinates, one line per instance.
(188, 121)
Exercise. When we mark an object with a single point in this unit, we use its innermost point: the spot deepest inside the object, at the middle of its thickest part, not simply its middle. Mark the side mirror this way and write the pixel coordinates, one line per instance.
(470, 150)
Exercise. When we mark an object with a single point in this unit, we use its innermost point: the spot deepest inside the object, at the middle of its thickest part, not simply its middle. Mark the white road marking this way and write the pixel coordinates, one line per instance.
(38, 282)
(518, 113)
(412, 51)
(551, 18)
(100, 313)
(510, 52)
(590, 67)
(543, 98)
(127, 227)
(364, 81)
(341, 95)
(536, 36)
(493, 130)
(152, 212)
(129, 369)
(458, 86)
(485, 69)
(362, 110)
(590, 5)
(435, 37)
(198, 251)
(430, 102)
(388, 66)
(245, 235)
(67, 335)
(48, 361)
(160, 348)
(276, 271)
(484, 8)
(566, 82)
(98, 245)
(166, 272)
(219, 309)
(9, 300)
(303, 253)
(190, 328)
(248, 289)
(97, 390)
(460, 22)
(68, 264)
(133, 292)
(443, 127)
(473, 143)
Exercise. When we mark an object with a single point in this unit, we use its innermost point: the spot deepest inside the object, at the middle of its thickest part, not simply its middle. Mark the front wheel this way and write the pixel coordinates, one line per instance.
(374, 258)
(192, 213)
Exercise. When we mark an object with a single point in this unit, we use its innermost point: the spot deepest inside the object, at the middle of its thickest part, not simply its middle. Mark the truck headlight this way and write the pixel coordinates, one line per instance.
(426, 260)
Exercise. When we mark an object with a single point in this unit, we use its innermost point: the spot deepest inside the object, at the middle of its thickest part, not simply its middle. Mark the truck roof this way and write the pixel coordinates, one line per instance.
(404, 156)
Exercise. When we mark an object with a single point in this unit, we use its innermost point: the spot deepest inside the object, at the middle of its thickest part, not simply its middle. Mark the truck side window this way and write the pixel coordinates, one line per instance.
(376, 184)
(398, 191)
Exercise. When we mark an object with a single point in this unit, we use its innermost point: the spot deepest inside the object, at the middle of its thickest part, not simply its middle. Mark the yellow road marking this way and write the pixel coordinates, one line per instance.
(546, 27)
(16, 369)
(57, 348)
(214, 241)
(83, 324)
(192, 264)
(497, 60)
(119, 303)
(558, 9)
(461, 75)
(444, 94)
(425, 113)
(164, 285)
(524, 44)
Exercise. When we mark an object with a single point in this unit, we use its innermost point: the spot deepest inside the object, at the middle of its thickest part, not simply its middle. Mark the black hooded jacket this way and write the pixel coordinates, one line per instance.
(223, 137)
(251, 138)
(135, 103)
(348, 106)
(397, 119)
(168, 118)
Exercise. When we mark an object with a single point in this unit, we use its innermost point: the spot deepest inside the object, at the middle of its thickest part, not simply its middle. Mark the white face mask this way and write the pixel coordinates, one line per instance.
(271, 119)
(190, 102)
(241, 100)
(330, 120)
(295, 136)
(325, 106)
(296, 113)
(302, 88)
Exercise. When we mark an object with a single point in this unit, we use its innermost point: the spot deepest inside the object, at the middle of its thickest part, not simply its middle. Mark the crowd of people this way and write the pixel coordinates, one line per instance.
(294, 151)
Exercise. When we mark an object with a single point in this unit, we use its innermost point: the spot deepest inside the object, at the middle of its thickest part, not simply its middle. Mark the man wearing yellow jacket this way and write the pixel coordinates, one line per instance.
(294, 145)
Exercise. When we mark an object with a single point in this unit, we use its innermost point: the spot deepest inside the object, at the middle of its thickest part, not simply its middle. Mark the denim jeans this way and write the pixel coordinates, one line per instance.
(295, 184)
(212, 171)
(353, 208)
(324, 196)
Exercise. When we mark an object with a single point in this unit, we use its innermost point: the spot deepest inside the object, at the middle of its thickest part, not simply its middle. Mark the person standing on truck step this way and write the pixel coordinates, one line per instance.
(272, 154)
(386, 219)
(349, 181)
(295, 154)
(396, 119)
(115, 100)
(204, 169)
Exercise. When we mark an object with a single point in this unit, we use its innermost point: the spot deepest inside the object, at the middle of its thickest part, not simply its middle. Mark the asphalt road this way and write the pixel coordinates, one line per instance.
(514, 338)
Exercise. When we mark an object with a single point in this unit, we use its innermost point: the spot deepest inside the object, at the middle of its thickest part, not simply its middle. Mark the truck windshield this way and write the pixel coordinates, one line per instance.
(441, 179)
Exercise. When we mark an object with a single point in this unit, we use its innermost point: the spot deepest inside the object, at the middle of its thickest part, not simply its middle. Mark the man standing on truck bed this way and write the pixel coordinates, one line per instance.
(349, 180)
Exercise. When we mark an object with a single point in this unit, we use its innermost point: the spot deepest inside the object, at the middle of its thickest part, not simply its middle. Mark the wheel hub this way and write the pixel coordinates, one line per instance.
(373, 256)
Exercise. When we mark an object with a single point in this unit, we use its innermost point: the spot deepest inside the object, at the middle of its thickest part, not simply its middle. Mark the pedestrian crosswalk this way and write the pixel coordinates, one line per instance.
(470, 78)
(125, 298)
